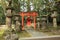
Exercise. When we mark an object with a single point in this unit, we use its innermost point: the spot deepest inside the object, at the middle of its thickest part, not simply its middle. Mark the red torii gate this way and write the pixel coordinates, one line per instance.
(33, 14)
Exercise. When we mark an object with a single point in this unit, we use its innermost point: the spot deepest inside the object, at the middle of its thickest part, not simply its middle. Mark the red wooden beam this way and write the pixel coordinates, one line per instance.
(22, 14)
(33, 14)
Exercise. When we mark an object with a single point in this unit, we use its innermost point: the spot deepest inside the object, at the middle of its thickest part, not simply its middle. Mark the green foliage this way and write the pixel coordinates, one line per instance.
(16, 6)
(1, 11)
(2, 16)
(43, 7)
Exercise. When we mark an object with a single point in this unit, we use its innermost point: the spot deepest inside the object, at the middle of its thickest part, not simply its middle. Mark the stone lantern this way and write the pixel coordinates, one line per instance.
(38, 22)
(17, 22)
(16, 17)
(9, 14)
(44, 21)
(54, 15)
(9, 17)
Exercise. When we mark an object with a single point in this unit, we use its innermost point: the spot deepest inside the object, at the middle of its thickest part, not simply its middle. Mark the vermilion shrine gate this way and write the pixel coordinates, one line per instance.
(28, 14)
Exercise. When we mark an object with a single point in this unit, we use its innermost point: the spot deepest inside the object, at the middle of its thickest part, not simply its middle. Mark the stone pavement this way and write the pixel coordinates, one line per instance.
(35, 33)
(57, 37)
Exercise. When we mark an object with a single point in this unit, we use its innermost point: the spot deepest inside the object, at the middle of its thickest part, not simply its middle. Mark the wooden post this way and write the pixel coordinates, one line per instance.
(22, 22)
(22, 14)
(34, 23)
(34, 15)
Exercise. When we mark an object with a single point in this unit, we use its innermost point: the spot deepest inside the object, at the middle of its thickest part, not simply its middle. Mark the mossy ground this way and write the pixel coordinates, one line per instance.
(1, 34)
(21, 34)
